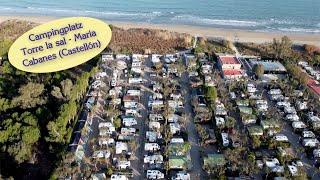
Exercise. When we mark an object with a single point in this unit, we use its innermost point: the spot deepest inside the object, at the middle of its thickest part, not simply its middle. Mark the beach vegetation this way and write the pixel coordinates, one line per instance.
(4, 46)
(213, 46)
(138, 40)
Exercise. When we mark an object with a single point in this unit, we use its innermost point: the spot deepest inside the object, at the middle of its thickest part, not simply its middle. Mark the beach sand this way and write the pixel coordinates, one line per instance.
(229, 34)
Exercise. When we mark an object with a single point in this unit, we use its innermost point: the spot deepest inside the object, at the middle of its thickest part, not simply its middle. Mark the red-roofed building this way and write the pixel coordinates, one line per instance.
(232, 73)
(314, 85)
(229, 62)
(230, 67)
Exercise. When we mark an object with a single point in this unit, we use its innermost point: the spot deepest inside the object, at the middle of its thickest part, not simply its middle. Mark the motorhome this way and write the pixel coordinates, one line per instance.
(274, 92)
(151, 147)
(154, 174)
(225, 139)
(123, 165)
(153, 159)
(121, 147)
(310, 142)
(133, 92)
(131, 112)
(129, 121)
(128, 131)
(135, 80)
(181, 175)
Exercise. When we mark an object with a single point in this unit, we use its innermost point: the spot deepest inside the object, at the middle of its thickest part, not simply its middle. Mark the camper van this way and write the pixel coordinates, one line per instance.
(133, 92)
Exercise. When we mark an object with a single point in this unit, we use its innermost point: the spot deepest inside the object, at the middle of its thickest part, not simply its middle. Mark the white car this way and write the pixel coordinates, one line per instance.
(154, 174)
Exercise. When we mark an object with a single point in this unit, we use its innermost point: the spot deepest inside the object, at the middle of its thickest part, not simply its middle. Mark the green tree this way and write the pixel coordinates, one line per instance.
(5, 104)
(117, 123)
(4, 46)
(56, 92)
(316, 59)
(282, 49)
(230, 122)
(66, 86)
(198, 50)
(7, 68)
(109, 171)
(211, 93)
(256, 142)
(30, 96)
(20, 135)
(258, 69)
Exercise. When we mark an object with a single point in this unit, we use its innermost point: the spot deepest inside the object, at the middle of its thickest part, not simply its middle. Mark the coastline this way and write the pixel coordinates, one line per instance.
(210, 32)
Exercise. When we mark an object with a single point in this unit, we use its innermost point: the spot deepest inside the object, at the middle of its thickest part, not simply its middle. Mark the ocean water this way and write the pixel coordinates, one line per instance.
(294, 16)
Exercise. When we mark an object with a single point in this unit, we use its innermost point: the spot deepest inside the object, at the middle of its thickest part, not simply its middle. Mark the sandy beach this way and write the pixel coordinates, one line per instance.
(229, 34)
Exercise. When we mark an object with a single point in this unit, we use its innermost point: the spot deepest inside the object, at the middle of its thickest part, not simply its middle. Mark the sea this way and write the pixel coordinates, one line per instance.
(289, 16)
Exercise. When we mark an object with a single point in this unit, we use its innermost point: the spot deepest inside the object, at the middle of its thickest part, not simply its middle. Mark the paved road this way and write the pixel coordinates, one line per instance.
(197, 172)
(138, 164)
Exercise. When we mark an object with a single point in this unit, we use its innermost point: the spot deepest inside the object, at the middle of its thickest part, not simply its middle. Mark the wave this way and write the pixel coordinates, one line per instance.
(280, 22)
(83, 12)
(296, 29)
(207, 21)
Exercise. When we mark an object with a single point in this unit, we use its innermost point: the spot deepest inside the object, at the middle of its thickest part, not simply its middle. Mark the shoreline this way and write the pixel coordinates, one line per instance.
(210, 32)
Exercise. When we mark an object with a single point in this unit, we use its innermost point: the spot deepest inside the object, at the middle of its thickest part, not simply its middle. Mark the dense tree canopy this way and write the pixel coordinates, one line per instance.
(20, 134)
(30, 95)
